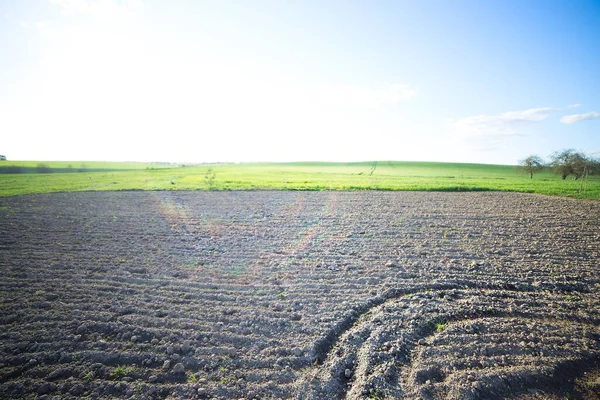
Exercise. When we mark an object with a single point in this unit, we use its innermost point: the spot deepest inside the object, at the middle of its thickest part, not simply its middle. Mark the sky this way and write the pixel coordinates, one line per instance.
(300, 80)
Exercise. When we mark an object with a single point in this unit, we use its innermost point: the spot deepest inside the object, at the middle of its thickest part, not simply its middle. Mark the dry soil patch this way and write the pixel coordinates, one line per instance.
(307, 295)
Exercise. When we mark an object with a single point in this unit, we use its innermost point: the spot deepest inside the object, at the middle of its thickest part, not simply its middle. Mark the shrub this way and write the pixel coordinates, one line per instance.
(11, 169)
(43, 168)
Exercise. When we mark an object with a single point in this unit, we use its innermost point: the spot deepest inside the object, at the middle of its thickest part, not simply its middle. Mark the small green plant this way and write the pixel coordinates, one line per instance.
(375, 395)
(571, 298)
(209, 179)
(440, 326)
(118, 372)
(121, 371)
(192, 378)
(226, 381)
(89, 376)
(490, 310)
(281, 295)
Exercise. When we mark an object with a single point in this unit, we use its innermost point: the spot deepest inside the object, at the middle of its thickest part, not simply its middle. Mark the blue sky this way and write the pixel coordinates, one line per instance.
(149, 80)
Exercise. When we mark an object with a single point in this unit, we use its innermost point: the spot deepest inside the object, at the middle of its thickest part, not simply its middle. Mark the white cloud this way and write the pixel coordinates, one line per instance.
(41, 25)
(500, 125)
(72, 5)
(574, 105)
(102, 9)
(571, 119)
(365, 96)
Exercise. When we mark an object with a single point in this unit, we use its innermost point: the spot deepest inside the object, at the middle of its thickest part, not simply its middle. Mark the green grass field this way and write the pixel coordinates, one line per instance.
(381, 175)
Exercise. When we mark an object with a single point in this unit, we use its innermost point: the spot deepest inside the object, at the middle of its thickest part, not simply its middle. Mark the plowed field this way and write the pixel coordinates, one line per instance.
(310, 295)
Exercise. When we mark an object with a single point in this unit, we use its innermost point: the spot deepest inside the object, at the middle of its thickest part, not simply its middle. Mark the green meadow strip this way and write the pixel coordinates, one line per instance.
(17, 178)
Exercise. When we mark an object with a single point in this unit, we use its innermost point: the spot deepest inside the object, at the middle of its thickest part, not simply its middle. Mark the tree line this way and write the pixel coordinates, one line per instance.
(564, 163)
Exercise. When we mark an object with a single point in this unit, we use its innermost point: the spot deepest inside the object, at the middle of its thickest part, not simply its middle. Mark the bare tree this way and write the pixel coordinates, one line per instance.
(531, 164)
(570, 162)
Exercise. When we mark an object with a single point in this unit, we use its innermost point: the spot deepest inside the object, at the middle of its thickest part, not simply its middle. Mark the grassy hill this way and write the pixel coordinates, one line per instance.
(23, 177)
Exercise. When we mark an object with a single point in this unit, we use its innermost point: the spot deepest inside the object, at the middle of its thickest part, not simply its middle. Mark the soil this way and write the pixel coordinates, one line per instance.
(308, 295)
